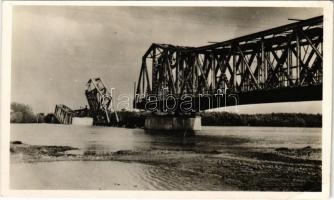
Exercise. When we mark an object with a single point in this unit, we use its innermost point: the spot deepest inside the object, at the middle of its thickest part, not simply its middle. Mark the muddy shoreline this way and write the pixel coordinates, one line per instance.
(280, 169)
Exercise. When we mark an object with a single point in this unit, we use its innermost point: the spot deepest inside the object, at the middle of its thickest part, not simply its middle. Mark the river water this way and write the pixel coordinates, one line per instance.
(115, 175)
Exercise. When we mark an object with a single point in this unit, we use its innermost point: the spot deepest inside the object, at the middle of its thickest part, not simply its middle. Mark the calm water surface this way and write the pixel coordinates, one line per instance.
(129, 175)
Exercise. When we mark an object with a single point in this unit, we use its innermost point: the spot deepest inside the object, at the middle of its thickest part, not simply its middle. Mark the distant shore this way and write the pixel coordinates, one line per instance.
(21, 113)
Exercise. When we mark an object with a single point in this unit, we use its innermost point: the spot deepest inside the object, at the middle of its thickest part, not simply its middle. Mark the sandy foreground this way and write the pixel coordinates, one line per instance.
(280, 169)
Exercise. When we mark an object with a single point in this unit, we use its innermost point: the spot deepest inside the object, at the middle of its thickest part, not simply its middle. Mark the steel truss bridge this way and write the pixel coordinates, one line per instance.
(282, 64)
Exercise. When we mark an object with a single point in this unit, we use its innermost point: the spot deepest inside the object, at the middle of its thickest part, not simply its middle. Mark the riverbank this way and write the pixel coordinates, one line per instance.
(255, 169)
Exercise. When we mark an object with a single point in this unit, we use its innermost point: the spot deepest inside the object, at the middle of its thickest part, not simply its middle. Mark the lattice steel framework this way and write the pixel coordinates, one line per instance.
(289, 56)
(99, 100)
(64, 114)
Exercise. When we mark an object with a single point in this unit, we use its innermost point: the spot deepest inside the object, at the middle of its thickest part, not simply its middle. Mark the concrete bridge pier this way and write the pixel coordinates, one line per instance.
(173, 123)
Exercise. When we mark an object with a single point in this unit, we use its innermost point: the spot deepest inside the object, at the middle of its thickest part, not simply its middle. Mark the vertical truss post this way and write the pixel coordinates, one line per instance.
(289, 63)
(143, 81)
(177, 84)
(258, 67)
(213, 72)
(148, 85)
(298, 57)
(193, 75)
(263, 61)
(234, 69)
(154, 72)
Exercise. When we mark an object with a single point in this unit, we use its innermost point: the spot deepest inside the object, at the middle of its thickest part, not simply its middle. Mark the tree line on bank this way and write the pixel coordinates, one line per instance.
(271, 119)
(21, 113)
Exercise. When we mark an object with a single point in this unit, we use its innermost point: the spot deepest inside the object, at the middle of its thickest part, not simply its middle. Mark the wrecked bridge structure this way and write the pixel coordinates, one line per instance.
(100, 106)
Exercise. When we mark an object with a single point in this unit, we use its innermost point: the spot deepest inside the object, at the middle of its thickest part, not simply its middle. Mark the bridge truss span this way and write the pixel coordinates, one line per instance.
(288, 58)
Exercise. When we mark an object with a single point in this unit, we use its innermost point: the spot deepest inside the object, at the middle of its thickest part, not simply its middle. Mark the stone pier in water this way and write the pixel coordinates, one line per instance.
(179, 123)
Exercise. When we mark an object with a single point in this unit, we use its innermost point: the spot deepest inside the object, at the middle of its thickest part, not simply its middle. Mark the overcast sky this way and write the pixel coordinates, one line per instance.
(56, 49)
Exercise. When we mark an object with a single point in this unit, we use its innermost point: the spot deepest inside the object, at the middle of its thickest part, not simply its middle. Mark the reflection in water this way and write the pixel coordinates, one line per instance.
(211, 141)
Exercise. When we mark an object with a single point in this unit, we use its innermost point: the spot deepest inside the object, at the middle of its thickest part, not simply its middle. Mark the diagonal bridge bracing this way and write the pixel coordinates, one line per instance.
(282, 64)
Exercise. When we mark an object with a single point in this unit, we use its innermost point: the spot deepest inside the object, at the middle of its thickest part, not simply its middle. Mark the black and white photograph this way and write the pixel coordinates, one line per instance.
(170, 97)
